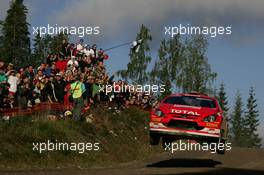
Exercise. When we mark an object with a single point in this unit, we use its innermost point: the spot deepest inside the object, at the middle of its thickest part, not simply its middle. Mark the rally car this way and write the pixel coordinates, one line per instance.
(191, 116)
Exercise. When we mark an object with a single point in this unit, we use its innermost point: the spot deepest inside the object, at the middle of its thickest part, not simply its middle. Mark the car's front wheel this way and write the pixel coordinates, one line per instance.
(154, 139)
(167, 142)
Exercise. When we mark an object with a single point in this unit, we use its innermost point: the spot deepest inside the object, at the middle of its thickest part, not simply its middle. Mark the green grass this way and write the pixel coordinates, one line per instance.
(123, 137)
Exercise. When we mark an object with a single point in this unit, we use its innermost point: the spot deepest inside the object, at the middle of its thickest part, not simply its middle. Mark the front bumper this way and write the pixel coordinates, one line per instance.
(206, 133)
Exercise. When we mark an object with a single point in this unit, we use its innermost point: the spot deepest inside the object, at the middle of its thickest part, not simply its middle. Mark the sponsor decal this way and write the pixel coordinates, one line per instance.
(178, 111)
(156, 119)
(215, 125)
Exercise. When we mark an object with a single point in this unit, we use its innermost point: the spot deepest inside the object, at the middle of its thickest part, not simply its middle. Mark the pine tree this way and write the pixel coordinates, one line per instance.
(196, 73)
(1, 38)
(38, 50)
(252, 121)
(137, 67)
(55, 42)
(47, 45)
(222, 98)
(16, 41)
(237, 122)
(160, 73)
(183, 65)
(175, 51)
(47, 40)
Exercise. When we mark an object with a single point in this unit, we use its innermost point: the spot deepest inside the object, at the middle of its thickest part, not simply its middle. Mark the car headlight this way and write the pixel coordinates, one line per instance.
(159, 113)
(210, 118)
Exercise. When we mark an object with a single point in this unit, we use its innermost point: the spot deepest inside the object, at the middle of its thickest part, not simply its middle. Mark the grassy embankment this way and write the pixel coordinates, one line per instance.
(122, 137)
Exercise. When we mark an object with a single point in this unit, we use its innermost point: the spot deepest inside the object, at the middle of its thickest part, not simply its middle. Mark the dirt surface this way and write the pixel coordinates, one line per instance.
(237, 161)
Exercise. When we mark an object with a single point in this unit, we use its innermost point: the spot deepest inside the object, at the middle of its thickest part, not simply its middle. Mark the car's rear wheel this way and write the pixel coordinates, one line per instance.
(220, 151)
(220, 148)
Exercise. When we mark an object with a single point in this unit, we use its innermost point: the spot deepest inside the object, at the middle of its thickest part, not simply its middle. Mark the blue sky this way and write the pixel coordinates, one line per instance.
(238, 59)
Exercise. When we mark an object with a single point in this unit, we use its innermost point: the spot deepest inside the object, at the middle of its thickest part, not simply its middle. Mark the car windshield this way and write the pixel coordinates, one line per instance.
(191, 101)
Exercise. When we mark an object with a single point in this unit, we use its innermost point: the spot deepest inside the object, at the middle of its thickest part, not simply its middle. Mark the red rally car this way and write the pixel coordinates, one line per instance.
(190, 116)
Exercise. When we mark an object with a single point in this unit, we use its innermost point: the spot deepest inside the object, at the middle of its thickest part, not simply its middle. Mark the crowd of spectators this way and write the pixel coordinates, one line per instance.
(51, 81)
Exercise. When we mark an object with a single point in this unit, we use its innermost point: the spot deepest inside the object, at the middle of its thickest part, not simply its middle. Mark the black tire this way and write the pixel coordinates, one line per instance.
(222, 140)
(167, 143)
(154, 139)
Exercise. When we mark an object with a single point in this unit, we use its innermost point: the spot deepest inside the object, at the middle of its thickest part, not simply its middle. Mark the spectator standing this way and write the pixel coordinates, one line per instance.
(3, 86)
(77, 89)
(59, 85)
(61, 64)
(13, 82)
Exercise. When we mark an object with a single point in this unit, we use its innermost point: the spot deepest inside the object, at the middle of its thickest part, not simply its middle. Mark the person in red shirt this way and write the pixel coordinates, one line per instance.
(61, 64)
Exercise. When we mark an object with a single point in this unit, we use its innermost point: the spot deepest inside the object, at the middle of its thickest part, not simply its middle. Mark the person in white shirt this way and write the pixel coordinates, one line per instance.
(13, 82)
(88, 51)
(79, 46)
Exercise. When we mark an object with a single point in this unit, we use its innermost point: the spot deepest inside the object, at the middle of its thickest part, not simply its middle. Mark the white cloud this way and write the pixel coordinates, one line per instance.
(4, 5)
(112, 12)
(117, 16)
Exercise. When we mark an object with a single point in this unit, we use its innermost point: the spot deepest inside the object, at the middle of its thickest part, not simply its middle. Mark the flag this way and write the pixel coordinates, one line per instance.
(136, 45)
